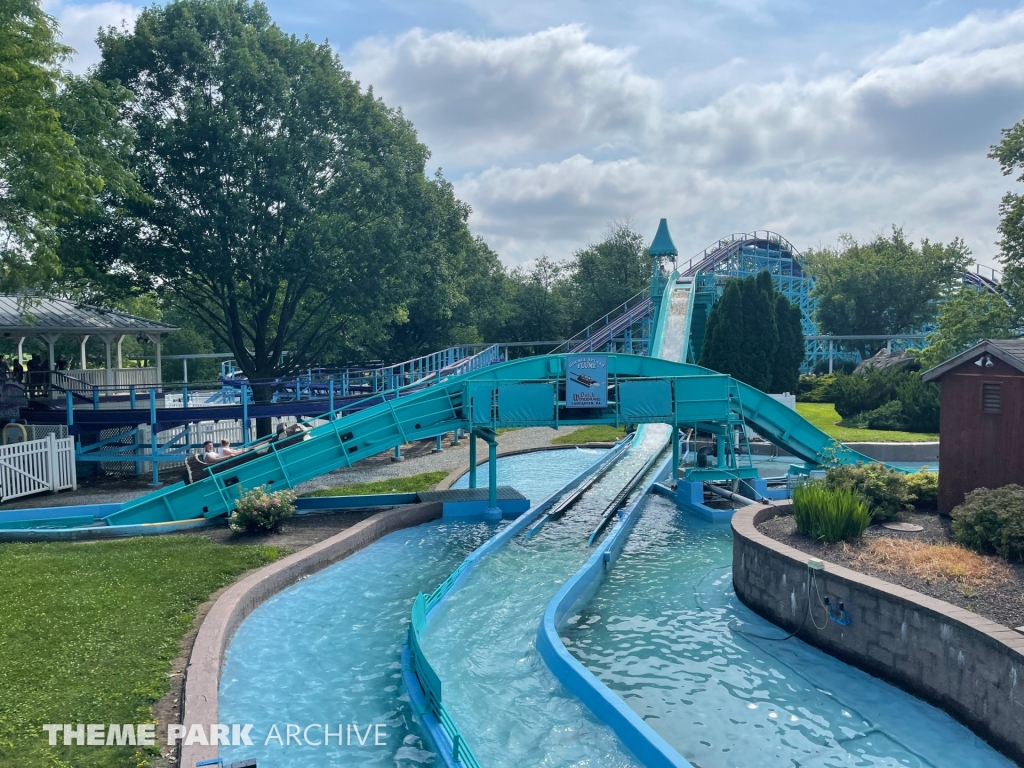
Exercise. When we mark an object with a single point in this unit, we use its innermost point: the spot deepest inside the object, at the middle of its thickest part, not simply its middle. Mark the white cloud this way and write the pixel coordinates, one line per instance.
(559, 135)
(80, 23)
(481, 99)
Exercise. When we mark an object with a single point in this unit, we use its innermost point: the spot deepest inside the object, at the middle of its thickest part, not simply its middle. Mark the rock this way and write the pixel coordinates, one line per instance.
(884, 360)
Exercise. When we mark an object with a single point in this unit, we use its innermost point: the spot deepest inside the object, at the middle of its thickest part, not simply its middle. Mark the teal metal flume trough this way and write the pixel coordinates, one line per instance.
(520, 393)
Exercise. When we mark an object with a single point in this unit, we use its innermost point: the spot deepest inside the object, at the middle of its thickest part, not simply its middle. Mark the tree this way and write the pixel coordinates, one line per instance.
(604, 275)
(754, 335)
(290, 210)
(540, 302)
(966, 317)
(722, 349)
(760, 338)
(789, 356)
(1009, 153)
(60, 145)
(886, 287)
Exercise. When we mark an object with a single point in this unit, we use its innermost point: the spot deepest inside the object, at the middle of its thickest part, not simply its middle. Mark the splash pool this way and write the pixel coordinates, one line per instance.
(658, 634)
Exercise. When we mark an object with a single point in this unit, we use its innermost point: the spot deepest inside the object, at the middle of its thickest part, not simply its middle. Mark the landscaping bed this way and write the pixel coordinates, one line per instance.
(926, 561)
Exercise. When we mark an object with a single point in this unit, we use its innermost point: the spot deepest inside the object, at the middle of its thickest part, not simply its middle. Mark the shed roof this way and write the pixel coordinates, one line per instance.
(1010, 351)
(34, 316)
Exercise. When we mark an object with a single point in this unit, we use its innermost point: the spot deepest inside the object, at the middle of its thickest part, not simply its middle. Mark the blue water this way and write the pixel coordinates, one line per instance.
(481, 640)
(539, 474)
(328, 650)
(657, 633)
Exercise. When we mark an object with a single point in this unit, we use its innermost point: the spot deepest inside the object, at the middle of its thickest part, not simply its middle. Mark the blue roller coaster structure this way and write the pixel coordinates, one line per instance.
(743, 254)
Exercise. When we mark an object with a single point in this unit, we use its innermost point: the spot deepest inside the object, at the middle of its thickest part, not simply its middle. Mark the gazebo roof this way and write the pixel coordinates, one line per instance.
(36, 316)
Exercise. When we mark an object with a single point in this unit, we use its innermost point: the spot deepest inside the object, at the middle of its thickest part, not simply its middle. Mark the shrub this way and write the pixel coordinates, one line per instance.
(863, 392)
(992, 521)
(897, 399)
(925, 486)
(261, 511)
(816, 389)
(829, 515)
(883, 489)
(888, 416)
(920, 403)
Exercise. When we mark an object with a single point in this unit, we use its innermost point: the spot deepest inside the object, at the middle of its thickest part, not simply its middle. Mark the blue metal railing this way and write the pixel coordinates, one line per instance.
(605, 330)
(428, 678)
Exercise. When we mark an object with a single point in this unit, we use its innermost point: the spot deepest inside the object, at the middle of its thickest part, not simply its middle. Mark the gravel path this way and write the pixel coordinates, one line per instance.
(419, 458)
(1003, 603)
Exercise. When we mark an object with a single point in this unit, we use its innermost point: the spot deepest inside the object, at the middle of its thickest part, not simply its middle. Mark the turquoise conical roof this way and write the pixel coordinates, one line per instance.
(662, 244)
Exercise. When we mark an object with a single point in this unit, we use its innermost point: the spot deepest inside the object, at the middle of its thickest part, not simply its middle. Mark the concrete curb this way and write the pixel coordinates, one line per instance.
(952, 658)
(202, 676)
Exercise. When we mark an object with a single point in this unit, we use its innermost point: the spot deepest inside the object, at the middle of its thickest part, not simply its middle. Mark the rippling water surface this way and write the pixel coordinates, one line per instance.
(480, 641)
(328, 649)
(658, 634)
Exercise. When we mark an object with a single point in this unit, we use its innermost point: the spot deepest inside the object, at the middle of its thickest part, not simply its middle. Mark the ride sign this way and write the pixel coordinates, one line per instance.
(586, 381)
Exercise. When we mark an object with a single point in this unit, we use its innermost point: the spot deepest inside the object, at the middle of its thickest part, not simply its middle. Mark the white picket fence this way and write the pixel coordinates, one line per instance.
(36, 466)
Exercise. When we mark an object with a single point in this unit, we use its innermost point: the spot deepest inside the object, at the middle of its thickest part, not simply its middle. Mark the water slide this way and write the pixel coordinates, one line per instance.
(525, 392)
(480, 640)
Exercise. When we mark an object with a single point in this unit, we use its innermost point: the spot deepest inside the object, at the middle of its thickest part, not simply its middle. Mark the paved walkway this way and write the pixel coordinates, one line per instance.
(419, 458)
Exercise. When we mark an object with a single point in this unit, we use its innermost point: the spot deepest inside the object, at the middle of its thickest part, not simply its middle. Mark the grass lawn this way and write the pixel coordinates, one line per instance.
(824, 417)
(599, 433)
(88, 631)
(411, 484)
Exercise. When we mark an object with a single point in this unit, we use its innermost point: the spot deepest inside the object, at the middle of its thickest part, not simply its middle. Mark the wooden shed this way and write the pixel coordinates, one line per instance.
(981, 432)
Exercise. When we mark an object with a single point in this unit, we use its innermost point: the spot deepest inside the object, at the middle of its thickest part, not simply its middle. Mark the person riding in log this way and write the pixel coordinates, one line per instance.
(210, 456)
(226, 451)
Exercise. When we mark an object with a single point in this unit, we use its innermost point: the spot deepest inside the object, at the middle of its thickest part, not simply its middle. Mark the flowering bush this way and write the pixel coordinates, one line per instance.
(262, 511)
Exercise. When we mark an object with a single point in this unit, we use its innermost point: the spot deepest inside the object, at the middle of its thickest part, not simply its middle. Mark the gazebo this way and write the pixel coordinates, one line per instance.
(23, 317)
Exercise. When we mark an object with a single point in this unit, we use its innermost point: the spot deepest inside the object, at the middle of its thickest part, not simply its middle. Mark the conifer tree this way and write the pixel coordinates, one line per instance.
(755, 335)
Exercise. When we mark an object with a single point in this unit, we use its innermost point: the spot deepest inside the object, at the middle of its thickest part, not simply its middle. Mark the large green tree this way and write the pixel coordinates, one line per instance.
(887, 286)
(1009, 153)
(290, 211)
(61, 148)
(965, 318)
(540, 302)
(606, 274)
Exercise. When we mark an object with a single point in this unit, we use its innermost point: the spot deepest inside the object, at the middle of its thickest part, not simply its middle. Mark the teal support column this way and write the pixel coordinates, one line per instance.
(456, 435)
(675, 452)
(153, 449)
(244, 395)
(472, 458)
(438, 447)
(398, 453)
(493, 512)
(721, 449)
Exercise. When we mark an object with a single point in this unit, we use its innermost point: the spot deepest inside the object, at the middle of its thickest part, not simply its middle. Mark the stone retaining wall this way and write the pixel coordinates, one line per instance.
(969, 666)
(202, 677)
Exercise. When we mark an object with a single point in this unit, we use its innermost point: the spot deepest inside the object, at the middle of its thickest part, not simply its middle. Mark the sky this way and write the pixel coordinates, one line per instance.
(555, 118)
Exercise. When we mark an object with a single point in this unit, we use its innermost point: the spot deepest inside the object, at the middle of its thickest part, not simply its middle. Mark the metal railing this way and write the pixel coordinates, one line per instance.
(428, 678)
(604, 330)
(721, 249)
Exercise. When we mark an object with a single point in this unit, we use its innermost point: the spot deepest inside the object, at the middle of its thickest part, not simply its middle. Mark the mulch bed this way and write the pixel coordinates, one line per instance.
(1002, 603)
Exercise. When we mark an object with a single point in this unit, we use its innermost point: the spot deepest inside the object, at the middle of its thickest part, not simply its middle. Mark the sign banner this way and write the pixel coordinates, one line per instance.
(586, 384)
